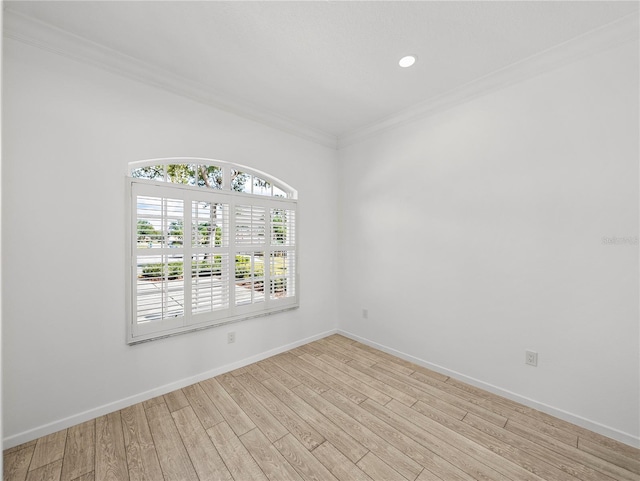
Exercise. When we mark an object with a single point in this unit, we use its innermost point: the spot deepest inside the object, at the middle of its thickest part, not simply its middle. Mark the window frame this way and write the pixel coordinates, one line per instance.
(190, 321)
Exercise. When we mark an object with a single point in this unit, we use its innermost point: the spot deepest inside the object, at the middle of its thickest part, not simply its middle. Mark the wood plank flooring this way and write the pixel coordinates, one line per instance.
(332, 410)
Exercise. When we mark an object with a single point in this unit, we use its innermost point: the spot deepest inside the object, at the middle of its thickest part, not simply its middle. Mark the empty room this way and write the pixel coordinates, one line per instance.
(320, 240)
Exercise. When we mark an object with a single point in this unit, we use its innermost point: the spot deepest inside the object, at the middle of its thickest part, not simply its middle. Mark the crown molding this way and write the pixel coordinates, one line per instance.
(608, 36)
(33, 32)
(47, 37)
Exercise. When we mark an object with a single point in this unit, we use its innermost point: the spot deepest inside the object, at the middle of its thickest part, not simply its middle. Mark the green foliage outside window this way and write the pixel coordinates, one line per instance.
(192, 174)
(243, 267)
(175, 270)
(146, 231)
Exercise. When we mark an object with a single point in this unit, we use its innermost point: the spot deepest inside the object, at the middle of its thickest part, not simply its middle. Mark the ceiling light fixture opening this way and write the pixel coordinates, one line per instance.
(407, 61)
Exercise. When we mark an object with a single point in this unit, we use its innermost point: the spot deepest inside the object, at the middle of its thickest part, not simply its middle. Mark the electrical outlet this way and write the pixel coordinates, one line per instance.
(231, 337)
(531, 358)
(365, 313)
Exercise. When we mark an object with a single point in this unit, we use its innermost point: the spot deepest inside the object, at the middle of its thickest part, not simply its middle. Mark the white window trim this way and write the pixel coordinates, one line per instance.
(189, 322)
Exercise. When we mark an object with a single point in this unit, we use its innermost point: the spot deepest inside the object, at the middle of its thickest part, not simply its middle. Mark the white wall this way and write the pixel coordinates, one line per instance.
(475, 234)
(69, 131)
(469, 236)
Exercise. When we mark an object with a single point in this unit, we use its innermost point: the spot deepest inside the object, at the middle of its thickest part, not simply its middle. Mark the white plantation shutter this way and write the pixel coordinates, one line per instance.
(250, 238)
(159, 290)
(201, 257)
(250, 225)
(210, 256)
(250, 276)
(283, 223)
(210, 283)
(282, 269)
(282, 262)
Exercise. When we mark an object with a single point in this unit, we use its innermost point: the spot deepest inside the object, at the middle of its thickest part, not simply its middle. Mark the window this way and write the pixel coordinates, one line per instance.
(209, 243)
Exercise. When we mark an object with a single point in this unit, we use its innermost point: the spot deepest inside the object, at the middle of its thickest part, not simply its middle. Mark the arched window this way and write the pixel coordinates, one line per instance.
(210, 242)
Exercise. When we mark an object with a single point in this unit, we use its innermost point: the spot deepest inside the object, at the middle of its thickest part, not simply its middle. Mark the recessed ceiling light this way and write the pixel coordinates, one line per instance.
(407, 61)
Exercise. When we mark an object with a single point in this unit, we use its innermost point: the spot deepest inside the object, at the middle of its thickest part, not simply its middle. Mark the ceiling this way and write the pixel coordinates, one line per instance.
(329, 66)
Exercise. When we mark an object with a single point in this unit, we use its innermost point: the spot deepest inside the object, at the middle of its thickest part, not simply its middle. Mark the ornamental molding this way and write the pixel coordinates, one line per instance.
(47, 37)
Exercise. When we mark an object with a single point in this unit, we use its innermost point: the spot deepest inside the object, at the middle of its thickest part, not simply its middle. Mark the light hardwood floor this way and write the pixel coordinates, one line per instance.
(330, 410)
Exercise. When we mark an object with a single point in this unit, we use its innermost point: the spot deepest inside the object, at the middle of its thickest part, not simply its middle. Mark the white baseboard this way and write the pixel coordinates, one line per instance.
(594, 426)
(67, 422)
